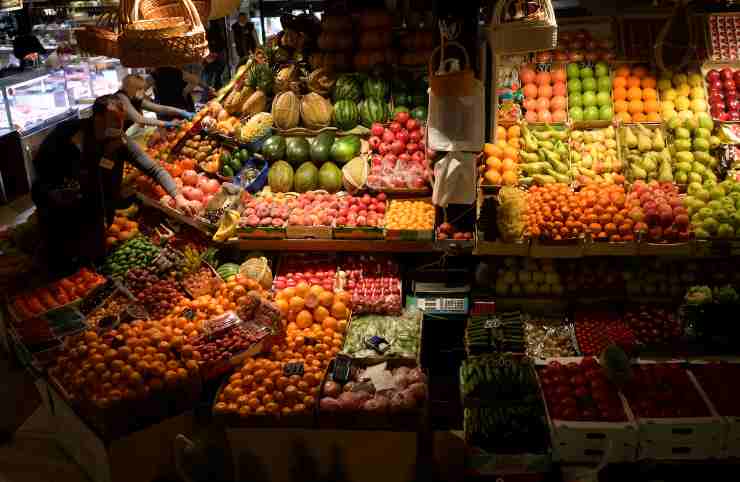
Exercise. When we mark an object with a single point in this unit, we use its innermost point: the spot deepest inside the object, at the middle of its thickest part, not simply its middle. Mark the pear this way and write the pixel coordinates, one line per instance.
(630, 139)
(658, 141)
(644, 143)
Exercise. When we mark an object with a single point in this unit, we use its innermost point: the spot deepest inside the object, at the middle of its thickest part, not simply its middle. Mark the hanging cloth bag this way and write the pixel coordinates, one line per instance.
(456, 119)
(520, 26)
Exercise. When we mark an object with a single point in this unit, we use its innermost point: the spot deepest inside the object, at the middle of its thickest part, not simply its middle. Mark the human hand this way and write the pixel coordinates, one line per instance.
(184, 205)
(189, 115)
(172, 123)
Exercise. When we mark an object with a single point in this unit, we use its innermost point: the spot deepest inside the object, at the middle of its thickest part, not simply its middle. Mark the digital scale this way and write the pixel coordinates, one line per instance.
(440, 298)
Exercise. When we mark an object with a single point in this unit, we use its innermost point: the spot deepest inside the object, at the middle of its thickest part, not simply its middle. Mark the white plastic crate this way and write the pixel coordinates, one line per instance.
(696, 438)
(589, 442)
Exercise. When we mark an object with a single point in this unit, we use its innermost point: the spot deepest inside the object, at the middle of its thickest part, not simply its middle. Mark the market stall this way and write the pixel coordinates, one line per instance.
(326, 291)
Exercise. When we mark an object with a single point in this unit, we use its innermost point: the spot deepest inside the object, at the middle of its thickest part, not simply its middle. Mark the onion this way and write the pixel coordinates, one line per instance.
(401, 381)
(418, 391)
(401, 402)
(348, 401)
(362, 397)
(416, 375)
(328, 404)
(332, 389)
(401, 371)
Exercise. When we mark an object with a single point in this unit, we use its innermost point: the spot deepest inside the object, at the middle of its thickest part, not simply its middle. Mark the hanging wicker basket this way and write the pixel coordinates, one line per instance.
(533, 32)
(164, 41)
(151, 9)
(101, 38)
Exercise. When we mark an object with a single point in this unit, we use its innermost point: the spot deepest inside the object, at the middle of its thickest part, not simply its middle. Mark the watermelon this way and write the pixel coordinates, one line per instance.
(346, 115)
(375, 88)
(228, 270)
(306, 178)
(347, 87)
(321, 147)
(297, 150)
(402, 99)
(280, 177)
(419, 113)
(373, 110)
(345, 149)
(330, 177)
(273, 149)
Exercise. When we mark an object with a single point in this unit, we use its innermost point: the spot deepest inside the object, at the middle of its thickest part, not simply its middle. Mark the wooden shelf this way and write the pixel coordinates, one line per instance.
(337, 245)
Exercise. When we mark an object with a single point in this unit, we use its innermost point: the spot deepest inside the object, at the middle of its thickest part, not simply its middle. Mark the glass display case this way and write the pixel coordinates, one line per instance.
(79, 86)
(105, 75)
(33, 99)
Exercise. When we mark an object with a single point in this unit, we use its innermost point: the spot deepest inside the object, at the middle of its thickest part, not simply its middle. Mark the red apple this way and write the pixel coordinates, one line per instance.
(397, 147)
(395, 127)
(403, 136)
(377, 129)
(412, 125)
(374, 142)
(384, 148)
(726, 74)
(713, 75)
(388, 136)
(402, 117)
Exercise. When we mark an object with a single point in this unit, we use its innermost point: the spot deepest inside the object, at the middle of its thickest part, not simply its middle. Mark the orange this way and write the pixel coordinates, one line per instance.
(620, 93)
(339, 310)
(326, 299)
(639, 71)
(296, 303)
(329, 323)
(509, 178)
(621, 106)
(320, 313)
(302, 288)
(634, 93)
(652, 105)
(648, 82)
(493, 163)
(639, 117)
(620, 82)
(636, 106)
(492, 150)
(304, 319)
(500, 133)
(508, 165)
(624, 116)
(653, 117)
(344, 297)
(633, 81)
(622, 71)
(492, 177)
(511, 153)
(342, 326)
(316, 290)
(287, 293)
(283, 306)
(515, 142)
(649, 94)
(514, 131)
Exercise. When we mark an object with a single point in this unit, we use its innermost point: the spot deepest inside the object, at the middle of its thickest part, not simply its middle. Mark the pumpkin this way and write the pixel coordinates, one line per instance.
(374, 39)
(332, 61)
(316, 111)
(413, 58)
(367, 59)
(418, 40)
(375, 19)
(286, 110)
(335, 23)
(335, 41)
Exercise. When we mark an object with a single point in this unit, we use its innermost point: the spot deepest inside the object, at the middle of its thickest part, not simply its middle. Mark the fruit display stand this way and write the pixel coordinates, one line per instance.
(577, 441)
(198, 224)
(723, 88)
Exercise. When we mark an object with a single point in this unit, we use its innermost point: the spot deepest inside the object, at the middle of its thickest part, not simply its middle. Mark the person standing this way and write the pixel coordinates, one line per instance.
(134, 102)
(79, 170)
(173, 87)
(215, 63)
(245, 35)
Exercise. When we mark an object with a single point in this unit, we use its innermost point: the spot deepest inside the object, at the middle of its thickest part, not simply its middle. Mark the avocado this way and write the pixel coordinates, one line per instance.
(321, 147)
(227, 171)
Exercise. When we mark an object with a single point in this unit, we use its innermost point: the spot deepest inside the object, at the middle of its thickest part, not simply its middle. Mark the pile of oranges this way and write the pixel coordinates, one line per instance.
(315, 322)
(605, 212)
(553, 213)
(410, 215)
(501, 159)
(122, 229)
(635, 95)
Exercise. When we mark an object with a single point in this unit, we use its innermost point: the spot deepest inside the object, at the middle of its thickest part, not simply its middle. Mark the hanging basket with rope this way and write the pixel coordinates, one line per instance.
(525, 31)
(101, 38)
(152, 9)
(162, 41)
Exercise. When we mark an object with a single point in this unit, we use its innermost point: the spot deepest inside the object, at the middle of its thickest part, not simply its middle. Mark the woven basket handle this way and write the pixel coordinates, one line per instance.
(503, 5)
(107, 20)
(432, 70)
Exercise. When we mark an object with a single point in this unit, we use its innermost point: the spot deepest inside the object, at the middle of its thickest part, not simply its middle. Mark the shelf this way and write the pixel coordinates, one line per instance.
(338, 245)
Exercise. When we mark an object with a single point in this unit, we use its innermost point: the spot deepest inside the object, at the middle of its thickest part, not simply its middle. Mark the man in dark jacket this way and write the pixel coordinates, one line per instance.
(79, 169)
(245, 37)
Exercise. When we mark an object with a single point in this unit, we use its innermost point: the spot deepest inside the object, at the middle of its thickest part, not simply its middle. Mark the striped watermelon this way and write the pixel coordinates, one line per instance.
(373, 110)
(347, 87)
(346, 115)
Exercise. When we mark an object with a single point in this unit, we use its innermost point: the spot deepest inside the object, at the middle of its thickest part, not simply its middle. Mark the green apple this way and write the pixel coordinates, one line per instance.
(603, 98)
(591, 113)
(574, 85)
(586, 72)
(576, 113)
(589, 99)
(575, 99)
(604, 84)
(601, 69)
(606, 113)
(573, 71)
(588, 84)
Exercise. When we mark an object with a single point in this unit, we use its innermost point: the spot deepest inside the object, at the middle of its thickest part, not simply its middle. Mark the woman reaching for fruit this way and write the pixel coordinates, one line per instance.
(79, 170)
(134, 103)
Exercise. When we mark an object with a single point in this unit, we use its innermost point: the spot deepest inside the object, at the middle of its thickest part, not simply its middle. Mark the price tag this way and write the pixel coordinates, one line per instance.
(546, 67)
(310, 341)
(378, 344)
(295, 368)
(342, 369)
(492, 323)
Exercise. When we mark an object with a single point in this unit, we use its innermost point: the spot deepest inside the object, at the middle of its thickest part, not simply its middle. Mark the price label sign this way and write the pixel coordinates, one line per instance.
(492, 323)
(342, 369)
(294, 368)
(310, 341)
(379, 344)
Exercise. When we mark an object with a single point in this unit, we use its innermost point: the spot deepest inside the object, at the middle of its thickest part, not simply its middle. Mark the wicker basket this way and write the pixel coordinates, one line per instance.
(532, 33)
(151, 9)
(102, 38)
(162, 41)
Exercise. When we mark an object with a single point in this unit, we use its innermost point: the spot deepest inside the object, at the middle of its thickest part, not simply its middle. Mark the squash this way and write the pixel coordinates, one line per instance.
(374, 39)
(376, 19)
(286, 110)
(316, 111)
(257, 102)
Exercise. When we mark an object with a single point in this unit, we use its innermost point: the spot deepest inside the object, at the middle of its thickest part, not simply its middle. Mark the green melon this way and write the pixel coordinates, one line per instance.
(347, 87)
(306, 178)
(373, 110)
(280, 177)
(346, 115)
(330, 177)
